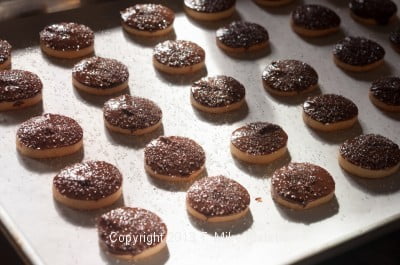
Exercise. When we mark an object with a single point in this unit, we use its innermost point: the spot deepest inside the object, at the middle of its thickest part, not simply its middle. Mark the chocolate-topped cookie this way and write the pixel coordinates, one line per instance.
(147, 19)
(273, 3)
(174, 158)
(394, 38)
(302, 186)
(131, 233)
(358, 54)
(88, 185)
(209, 10)
(314, 20)
(289, 78)
(132, 115)
(49, 135)
(217, 199)
(217, 94)
(373, 11)
(259, 142)
(370, 156)
(5, 55)
(67, 40)
(100, 76)
(19, 89)
(178, 57)
(241, 36)
(385, 93)
(329, 112)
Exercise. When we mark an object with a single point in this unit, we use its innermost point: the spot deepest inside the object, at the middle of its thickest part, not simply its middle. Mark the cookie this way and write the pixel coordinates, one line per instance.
(302, 186)
(370, 156)
(385, 93)
(273, 3)
(5, 55)
(373, 12)
(131, 115)
(394, 38)
(149, 20)
(314, 21)
(259, 143)
(178, 57)
(67, 40)
(19, 89)
(88, 185)
(329, 112)
(241, 36)
(358, 54)
(100, 76)
(209, 10)
(289, 78)
(217, 199)
(131, 233)
(49, 135)
(174, 158)
(217, 94)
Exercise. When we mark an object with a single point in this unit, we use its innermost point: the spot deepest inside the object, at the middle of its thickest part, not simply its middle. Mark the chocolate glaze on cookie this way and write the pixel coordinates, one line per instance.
(379, 10)
(133, 222)
(49, 131)
(67, 36)
(315, 17)
(148, 17)
(259, 138)
(133, 113)
(209, 6)
(218, 91)
(100, 72)
(89, 181)
(330, 108)
(394, 38)
(178, 53)
(289, 76)
(18, 85)
(240, 34)
(358, 51)
(5, 51)
(387, 90)
(174, 156)
(302, 183)
(217, 196)
(371, 151)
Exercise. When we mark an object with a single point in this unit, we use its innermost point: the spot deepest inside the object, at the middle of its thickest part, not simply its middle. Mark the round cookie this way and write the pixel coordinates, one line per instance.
(174, 158)
(217, 199)
(259, 143)
(373, 12)
(5, 55)
(100, 76)
(131, 233)
(385, 93)
(273, 3)
(370, 156)
(217, 94)
(302, 186)
(149, 20)
(314, 21)
(19, 89)
(289, 78)
(394, 38)
(209, 10)
(88, 185)
(241, 36)
(49, 135)
(329, 112)
(358, 54)
(67, 40)
(178, 57)
(131, 115)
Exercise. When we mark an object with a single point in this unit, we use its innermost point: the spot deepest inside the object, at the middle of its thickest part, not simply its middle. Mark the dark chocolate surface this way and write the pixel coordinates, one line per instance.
(315, 17)
(18, 85)
(209, 6)
(178, 53)
(379, 10)
(394, 38)
(5, 51)
(387, 90)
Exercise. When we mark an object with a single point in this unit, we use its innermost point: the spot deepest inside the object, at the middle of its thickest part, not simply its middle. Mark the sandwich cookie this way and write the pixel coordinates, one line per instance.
(373, 12)
(5, 55)
(209, 10)
(385, 93)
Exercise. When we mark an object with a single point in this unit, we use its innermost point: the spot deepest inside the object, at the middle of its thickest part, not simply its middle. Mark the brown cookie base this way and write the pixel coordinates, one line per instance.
(189, 178)
(290, 93)
(273, 3)
(329, 127)
(354, 68)
(99, 91)
(295, 206)
(178, 70)
(67, 54)
(366, 173)
(216, 110)
(313, 32)
(6, 64)
(144, 33)
(210, 16)
(48, 153)
(252, 48)
(382, 105)
(369, 21)
(216, 219)
(20, 104)
(132, 132)
(257, 159)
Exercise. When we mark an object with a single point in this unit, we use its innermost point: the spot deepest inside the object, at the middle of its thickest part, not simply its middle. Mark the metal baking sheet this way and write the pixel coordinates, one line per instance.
(49, 233)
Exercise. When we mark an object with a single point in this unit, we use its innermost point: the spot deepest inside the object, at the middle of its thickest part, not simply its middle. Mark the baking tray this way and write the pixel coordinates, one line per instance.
(49, 233)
